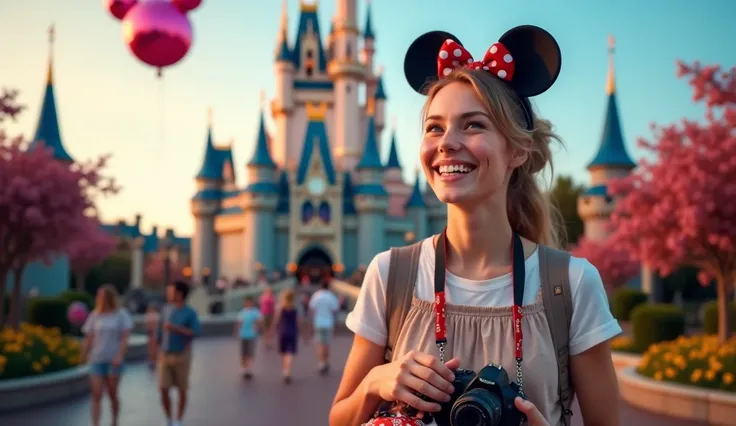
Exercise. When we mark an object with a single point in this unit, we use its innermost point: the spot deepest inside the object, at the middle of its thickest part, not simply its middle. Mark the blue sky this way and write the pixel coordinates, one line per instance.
(110, 103)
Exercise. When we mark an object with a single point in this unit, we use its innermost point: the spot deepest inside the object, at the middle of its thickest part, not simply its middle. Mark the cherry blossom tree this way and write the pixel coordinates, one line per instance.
(89, 249)
(44, 205)
(680, 208)
(613, 261)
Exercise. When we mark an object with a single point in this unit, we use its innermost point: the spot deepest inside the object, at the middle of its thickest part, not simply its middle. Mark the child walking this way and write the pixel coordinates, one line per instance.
(246, 328)
(287, 324)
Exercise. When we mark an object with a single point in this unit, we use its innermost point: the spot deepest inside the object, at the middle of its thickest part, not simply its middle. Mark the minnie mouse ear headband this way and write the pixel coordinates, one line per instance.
(526, 57)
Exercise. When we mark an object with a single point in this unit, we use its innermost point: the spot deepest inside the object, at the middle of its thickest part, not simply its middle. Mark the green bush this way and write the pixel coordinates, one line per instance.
(625, 300)
(72, 296)
(710, 317)
(656, 323)
(49, 312)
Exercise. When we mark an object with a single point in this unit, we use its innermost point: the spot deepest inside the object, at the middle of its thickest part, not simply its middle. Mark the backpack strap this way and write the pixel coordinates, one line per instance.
(402, 274)
(557, 298)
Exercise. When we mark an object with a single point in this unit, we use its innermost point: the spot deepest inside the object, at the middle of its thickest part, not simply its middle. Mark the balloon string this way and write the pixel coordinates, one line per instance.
(162, 120)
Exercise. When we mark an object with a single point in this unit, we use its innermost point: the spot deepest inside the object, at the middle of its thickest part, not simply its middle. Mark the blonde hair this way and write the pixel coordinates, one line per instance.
(529, 210)
(110, 299)
(287, 298)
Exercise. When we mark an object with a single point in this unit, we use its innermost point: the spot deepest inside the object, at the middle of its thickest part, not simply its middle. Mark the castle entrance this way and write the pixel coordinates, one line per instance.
(315, 264)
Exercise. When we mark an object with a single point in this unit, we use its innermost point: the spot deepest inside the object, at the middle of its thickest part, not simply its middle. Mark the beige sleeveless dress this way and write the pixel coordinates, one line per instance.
(482, 335)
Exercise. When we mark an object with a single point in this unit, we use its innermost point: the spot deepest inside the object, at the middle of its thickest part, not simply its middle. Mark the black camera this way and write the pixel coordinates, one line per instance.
(483, 399)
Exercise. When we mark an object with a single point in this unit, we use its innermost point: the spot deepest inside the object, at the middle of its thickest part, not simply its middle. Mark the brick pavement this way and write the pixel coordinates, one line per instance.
(220, 397)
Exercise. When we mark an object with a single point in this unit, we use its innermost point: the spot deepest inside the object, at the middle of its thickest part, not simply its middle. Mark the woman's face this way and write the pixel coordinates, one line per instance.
(466, 160)
(100, 299)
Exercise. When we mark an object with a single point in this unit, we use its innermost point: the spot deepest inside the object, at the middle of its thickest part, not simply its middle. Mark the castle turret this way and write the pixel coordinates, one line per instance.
(283, 103)
(259, 208)
(47, 130)
(204, 205)
(393, 180)
(416, 209)
(380, 101)
(611, 161)
(367, 55)
(346, 72)
(371, 199)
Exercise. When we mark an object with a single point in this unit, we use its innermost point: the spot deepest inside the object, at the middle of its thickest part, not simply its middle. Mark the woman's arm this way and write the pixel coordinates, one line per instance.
(86, 346)
(596, 385)
(353, 403)
(123, 346)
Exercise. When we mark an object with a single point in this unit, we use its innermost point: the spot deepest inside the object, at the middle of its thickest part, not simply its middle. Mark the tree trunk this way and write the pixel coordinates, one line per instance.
(79, 278)
(15, 300)
(724, 317)
(3, 280)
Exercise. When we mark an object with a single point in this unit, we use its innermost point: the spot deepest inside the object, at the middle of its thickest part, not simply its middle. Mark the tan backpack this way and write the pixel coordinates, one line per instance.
(556, 296)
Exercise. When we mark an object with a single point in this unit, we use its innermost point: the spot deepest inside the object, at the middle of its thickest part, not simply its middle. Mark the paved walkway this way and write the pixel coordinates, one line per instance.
(220, 397)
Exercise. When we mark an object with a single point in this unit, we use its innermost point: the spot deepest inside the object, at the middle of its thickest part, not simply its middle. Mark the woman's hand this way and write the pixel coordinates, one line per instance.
(533, 416)
(415, 372)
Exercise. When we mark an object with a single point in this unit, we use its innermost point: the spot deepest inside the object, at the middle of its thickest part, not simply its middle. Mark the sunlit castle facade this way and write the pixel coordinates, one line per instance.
(318, 191)
(612, 161)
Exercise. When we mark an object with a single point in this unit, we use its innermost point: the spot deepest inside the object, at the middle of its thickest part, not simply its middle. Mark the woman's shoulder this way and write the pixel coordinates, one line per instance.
(380, 265)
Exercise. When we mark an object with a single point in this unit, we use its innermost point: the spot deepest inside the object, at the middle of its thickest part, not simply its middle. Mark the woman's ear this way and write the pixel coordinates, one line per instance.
(518, 158)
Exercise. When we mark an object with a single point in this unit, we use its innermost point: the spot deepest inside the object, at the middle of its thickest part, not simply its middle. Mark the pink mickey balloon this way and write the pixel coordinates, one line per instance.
(186, 5)
(119, 8)
(157, 33)
(77, 313)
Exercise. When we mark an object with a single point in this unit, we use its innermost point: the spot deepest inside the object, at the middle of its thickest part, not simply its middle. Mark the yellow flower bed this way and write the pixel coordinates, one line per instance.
(697, 360)
(623, 344)
(35, 350)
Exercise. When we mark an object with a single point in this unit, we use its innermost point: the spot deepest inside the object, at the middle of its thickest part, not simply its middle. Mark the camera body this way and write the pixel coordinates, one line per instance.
(482, 399)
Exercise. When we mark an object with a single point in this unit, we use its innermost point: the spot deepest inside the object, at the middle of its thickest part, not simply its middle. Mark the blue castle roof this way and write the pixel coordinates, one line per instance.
(368, 31)
(380, 91)
(215, 160)
(262, 156)
(612, 151)
(316, 133)
(370, 159)
(308, 17)
(47, 131)
(416, 200)
(393, 155)
(284, 53)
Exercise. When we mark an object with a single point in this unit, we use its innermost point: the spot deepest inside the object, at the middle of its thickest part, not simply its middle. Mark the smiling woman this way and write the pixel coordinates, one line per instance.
(486, 320)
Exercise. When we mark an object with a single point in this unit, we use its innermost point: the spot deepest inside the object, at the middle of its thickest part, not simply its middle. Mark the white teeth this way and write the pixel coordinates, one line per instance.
(454, 168)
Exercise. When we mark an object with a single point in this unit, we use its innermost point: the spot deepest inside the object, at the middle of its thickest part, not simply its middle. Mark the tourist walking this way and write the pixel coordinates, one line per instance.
(246, 329)
(324, 305)
(287, 324)
(268, 308)
(151, 321)
(179, 326)
(106, 333)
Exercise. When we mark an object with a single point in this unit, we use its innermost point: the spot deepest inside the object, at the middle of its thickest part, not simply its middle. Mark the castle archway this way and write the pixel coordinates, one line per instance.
(315, 263)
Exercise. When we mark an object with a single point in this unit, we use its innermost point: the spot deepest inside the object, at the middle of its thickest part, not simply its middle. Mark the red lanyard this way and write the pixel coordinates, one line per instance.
(518, 276)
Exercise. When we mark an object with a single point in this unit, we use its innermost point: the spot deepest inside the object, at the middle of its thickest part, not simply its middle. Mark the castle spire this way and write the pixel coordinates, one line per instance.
(371, 159)
(368, 30)
(611, 78)
(47, 130)
(283, 53)
(415, 200)
(261, 155)
(393, 155)
(612, 152)
(210, 169)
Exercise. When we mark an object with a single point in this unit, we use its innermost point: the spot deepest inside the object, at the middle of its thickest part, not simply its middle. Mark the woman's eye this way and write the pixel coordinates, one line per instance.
(433, 128)
(475, 125)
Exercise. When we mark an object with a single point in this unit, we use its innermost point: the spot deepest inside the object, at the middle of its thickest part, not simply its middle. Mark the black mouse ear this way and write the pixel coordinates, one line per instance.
(420, 63)
(537, 57)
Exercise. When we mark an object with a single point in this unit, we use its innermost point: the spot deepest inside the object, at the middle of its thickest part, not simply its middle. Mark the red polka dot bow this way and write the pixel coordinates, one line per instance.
(497, 60)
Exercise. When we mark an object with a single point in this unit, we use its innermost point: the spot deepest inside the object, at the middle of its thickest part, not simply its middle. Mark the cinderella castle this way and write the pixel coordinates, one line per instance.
(318, 192)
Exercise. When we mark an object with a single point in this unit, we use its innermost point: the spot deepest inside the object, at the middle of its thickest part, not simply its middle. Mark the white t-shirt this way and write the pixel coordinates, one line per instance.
(324, 304)
(592, 321)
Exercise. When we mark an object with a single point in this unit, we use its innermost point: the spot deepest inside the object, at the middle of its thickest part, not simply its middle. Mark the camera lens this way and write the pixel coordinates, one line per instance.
(477, 407)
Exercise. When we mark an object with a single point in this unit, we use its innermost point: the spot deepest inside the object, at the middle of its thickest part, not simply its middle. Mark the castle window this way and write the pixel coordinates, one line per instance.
(307, 211)
(324, 211)
(348, 51)
(310, 54)
(309, 69)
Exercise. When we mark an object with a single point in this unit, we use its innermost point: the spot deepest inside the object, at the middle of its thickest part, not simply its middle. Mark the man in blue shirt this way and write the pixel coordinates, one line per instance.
(178, 326)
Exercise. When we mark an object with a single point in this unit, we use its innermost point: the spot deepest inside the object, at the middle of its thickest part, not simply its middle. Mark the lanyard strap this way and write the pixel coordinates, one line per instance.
(518, 277)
